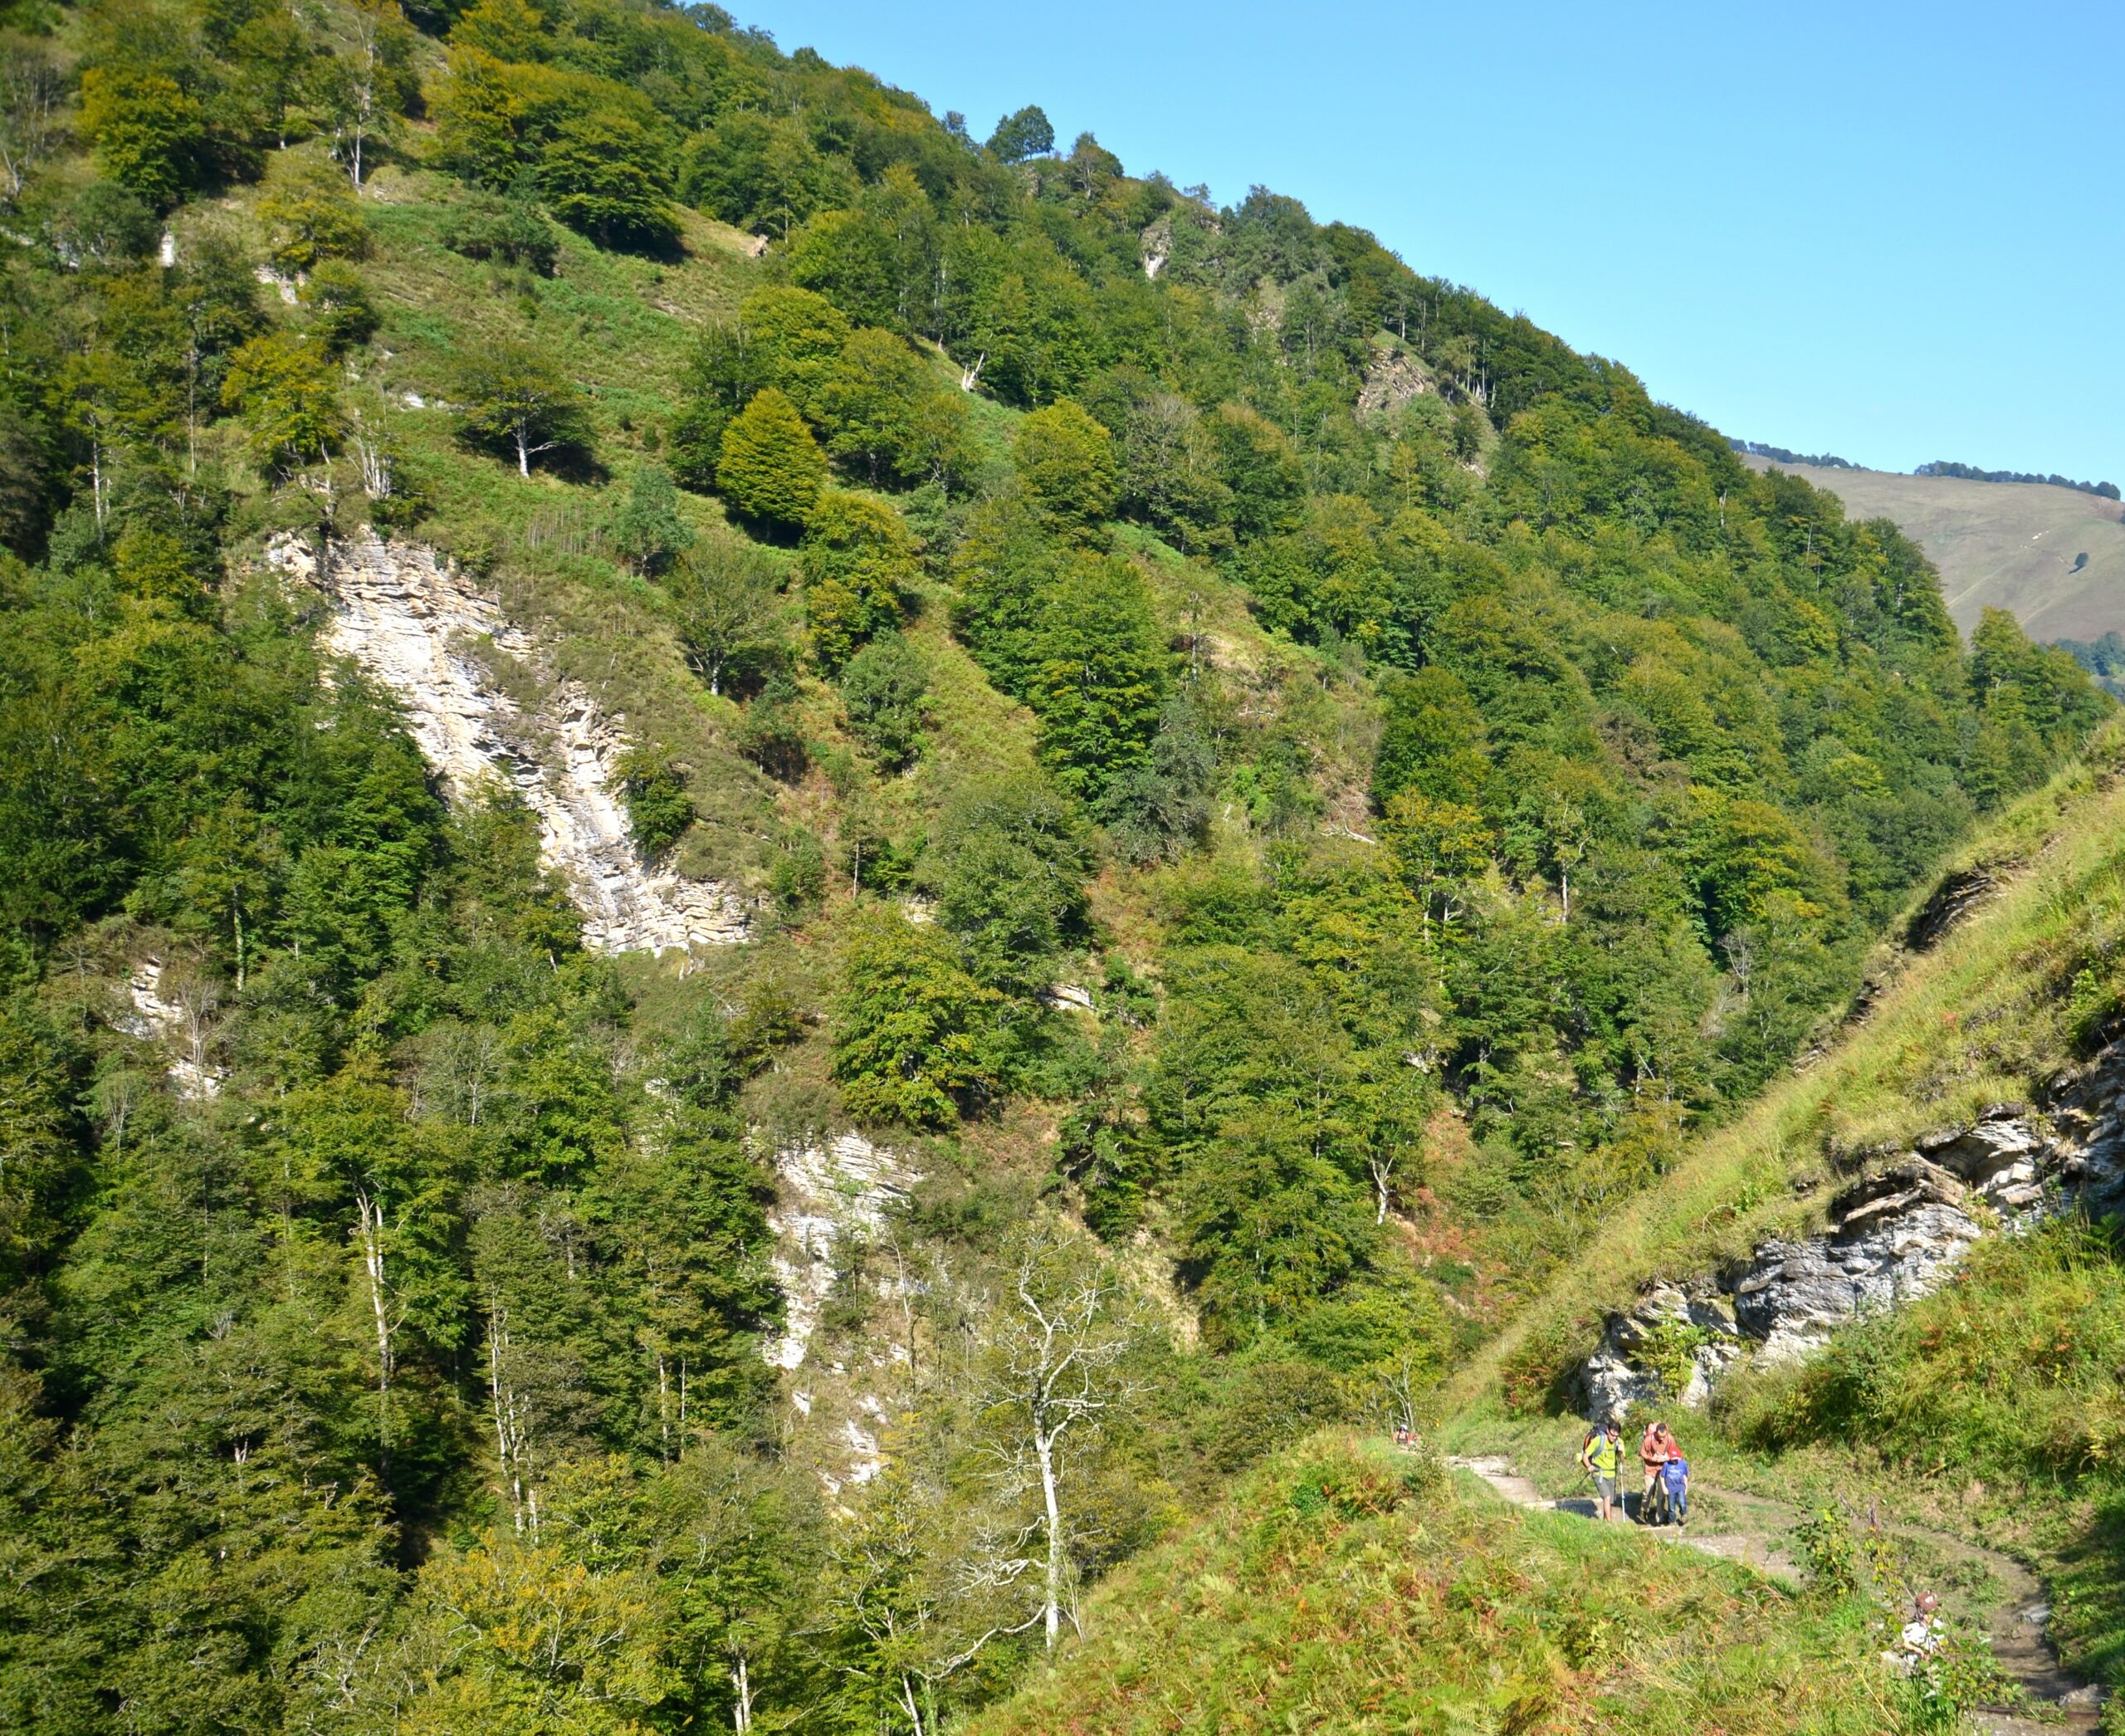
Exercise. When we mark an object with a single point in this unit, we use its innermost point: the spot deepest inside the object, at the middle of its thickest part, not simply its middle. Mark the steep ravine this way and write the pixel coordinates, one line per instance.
(423, 629)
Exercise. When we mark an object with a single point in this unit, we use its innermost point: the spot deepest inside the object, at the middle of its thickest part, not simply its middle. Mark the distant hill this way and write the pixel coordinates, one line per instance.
(2008, 546)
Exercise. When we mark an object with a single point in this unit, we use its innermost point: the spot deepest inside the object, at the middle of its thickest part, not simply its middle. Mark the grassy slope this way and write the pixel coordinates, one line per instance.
(1326, 1595)
(2005, 545)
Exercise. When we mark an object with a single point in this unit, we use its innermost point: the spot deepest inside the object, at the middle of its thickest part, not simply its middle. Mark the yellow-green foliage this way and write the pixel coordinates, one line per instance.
(1065, 462)
(770, 467)
(859, 561)
(1328, 1594)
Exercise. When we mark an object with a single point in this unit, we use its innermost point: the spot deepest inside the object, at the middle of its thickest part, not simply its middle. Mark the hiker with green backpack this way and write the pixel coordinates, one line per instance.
(1600, 1456)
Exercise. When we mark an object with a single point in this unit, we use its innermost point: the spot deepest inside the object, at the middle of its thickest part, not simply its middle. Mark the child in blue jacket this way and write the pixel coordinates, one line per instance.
(1675, 1480)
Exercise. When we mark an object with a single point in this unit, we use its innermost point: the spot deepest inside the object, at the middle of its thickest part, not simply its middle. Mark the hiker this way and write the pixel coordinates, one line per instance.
(1920, 1637)
(1675, 1486)
(1654, 1448)
(1601, 1457)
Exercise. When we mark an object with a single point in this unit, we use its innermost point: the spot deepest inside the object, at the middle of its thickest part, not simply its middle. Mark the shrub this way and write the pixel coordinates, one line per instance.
(659, 810)
(481, 225)
(341, 316)
(770, 734)
(106, 224)
(797, 880)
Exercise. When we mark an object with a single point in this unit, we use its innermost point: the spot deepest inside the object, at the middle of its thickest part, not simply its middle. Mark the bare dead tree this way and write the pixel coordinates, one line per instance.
(1050, 1371)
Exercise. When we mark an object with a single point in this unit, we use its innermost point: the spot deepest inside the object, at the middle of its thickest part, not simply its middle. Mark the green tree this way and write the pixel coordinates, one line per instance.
(149, 133)
(906, 1023)
(287, 390)
(1270, 1226)
(859, 561)
(1065, 464)
(646, 528)
(872, 404)
(1102, 673)
(1440, 848)
(1257, 465)
(1009, 876)
(341, 316)
(725, 601)
(516, 398)
(738, 1546)
(768, 466)
(883, 689)
(605, 173)
(1432, 742)
(1025, 134)
(311, 215)
(762, 172)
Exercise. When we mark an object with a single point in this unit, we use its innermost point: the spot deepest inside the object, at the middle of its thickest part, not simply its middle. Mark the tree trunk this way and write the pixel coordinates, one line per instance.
(741, 1713)
(1052, 1616)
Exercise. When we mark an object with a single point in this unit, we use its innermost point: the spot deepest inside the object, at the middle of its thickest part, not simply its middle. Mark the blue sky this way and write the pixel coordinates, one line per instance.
(1892, 232)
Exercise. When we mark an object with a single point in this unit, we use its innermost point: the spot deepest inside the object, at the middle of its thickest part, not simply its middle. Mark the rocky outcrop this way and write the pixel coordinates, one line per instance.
(830, 1191)
(1154, 247)
(1894, 1233)
(179, 1018)
(1957, 896)
(1392, 378)
(423, 629)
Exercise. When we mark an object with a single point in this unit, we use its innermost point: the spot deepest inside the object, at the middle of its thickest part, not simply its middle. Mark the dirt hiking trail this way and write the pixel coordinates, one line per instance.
(1755, 1527)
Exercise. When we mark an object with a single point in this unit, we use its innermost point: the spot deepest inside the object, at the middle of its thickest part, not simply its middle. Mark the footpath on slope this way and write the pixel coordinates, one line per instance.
(2015, 1624)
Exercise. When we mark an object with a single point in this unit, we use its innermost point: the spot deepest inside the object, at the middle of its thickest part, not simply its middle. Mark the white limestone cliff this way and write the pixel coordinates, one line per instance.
(423, 629)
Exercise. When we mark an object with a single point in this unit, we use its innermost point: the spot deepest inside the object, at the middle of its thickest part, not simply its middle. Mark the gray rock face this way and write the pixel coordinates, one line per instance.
(1895, 1233)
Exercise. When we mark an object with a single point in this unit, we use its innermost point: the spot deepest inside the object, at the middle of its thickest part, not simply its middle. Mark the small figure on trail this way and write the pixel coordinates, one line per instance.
(1405, 1437)
(1601, 1457)
(1920, 1637)
(1675, 1485)
(1655, 1447)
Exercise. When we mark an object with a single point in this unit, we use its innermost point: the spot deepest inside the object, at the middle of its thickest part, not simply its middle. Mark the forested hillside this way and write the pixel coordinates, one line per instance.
(1262, 796)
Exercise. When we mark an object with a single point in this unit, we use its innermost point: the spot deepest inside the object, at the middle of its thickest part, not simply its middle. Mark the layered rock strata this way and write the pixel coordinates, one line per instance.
(1894, 1233)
